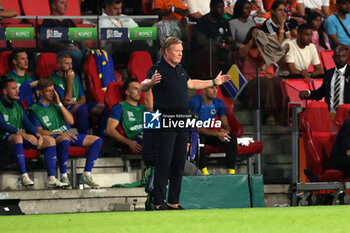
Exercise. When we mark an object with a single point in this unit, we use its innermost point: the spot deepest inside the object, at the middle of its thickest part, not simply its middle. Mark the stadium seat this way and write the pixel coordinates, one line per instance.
(31, 153)
(114, 95)
(13, 5)
(327, 59)
(316, 83)
(292, 87)
(40, 8)
(4, 64)
(45, 65)
(236, 129)
(316, 136)
(73, 9)
(147, 7)
(139, 64)
(342, 114)
(92, 80)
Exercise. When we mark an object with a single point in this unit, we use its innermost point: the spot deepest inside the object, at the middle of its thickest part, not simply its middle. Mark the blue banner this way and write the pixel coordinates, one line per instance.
(114, 34)
(2, 34)
(53, 33)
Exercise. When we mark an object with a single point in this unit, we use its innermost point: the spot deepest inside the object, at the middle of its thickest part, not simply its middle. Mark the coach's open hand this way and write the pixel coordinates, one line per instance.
(156, 78)
(220, 79)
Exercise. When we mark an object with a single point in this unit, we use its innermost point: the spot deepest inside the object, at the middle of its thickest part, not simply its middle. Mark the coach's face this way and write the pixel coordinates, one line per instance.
(173, 54)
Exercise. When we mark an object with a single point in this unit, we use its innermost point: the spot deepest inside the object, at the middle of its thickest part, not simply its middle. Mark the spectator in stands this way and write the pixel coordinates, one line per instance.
(58, 8)
(19, 63)
(276, 25)
(68, 86)
(319, 37)
(305, 7)
(271, 95)
(50, 119)
(129, 114)
(301, 54)
(7, 13)
(335, 87)
(241, 22)
(340, 154)
(291, 11)
(293, 28)
(114, 8)
(172, 15)
(214, 27)
(337, 25)
(207, 106)
(13, 121)
(198, 8)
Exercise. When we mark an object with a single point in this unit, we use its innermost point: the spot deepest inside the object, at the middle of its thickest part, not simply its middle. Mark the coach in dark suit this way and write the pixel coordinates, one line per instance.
(336, 83)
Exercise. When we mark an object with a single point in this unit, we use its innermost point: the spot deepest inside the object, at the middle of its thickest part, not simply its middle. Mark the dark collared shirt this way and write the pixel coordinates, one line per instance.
(170, 95)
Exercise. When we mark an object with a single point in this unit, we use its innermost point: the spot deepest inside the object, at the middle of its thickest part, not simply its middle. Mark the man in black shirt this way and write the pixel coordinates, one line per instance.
(212, 30)
(169, 82)
(213, 25)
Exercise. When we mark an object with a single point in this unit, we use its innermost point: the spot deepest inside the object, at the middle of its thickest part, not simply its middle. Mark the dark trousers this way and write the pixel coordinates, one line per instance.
(231, 150)
(171, 156)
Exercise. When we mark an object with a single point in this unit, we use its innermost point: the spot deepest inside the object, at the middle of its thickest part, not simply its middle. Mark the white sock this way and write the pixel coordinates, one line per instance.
(87, 173)
(64, 175)
(51, 178)
(24, 174)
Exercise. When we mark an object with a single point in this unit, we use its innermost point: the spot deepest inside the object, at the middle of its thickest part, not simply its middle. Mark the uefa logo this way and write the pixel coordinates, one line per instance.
(151, 120)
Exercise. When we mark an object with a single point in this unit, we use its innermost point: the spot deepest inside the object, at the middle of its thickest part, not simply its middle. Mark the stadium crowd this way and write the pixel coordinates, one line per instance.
(283, 43)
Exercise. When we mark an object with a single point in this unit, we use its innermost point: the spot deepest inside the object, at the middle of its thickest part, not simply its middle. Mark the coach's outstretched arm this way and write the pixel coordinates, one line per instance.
(200, 84)
(149, 83)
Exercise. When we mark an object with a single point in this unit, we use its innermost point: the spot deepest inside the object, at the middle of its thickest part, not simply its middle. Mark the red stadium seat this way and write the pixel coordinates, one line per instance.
(73, 9)
(327, 59)
(11, 5)
(236, 129)
(40, 8)
(316, 83)
(139, 64)
(114, 95)
(77, 151)
(4, 64)
(317, 141)
(147, 7)
(342, 114)
(31, 153)
(292, 87)
(93, 82)
(45, 65)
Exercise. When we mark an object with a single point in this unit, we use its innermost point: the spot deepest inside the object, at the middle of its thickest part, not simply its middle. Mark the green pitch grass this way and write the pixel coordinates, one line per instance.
(328, 219)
